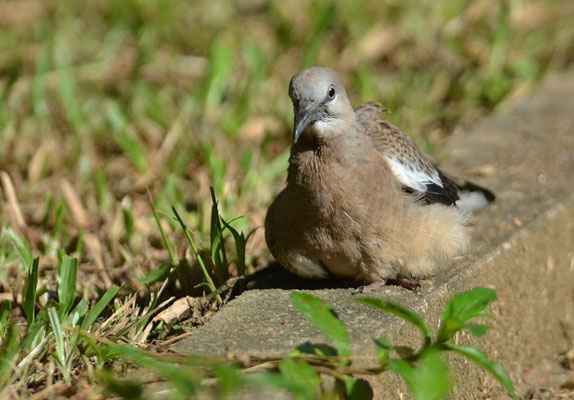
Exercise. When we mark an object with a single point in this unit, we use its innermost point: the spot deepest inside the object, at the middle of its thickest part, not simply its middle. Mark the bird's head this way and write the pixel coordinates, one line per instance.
(319, 100)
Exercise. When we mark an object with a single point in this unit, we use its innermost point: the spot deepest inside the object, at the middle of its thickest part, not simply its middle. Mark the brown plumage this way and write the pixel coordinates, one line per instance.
(360, 203)
(415, 171)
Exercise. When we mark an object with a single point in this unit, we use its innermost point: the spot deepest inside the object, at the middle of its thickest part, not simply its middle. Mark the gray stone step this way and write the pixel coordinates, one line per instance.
(523, 246)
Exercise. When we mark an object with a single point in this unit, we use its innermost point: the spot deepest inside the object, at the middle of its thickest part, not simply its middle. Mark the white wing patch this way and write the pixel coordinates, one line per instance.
(412, 177)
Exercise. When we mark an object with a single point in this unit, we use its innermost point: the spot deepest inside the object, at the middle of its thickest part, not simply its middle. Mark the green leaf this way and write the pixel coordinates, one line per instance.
(322, 350)
(322, 316)
(481, 359)
(428, 379)
(403, 368)
(470, 304)
(272, 379)
(404, 351)
(302, 376)
(29, 302)
(448, 328)
(67, 287)
(355, 389)
(399, 311)
(462, 308)
(477, 329)
(384, 349)
(229, 378)
(95, 312)
(156, 275)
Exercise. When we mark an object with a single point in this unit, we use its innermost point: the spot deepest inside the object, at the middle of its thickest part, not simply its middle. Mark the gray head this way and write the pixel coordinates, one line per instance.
(317, 94)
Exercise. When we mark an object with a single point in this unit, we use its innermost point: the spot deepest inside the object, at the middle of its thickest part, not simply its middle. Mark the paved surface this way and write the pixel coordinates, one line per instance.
(523, 246)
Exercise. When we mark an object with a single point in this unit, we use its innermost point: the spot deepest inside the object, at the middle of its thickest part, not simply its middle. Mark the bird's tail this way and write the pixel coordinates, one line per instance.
(440, 236)
(472, 197)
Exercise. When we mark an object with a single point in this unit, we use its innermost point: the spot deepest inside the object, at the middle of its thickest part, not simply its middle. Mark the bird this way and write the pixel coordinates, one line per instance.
(361, 203)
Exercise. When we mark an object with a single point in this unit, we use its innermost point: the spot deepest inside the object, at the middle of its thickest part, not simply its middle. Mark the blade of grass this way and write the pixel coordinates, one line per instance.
(197, 255)
(78, 312)
(125, 138)
(60, 353)
(240, 244)
(8, 352)
(95, 312)
(58, 220)
(67, 287)
(220, 62)
(217, 240)
(324, 20)
(5, 311)
(29, 301)
(79, 242)
(182, 379)
(166, 242)
(22, 248)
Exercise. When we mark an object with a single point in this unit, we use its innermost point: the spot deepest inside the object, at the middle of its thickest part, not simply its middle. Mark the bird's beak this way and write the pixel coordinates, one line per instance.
(304, 115)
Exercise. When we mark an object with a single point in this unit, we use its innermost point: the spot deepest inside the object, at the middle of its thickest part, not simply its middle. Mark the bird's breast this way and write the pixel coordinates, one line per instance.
(323, 186)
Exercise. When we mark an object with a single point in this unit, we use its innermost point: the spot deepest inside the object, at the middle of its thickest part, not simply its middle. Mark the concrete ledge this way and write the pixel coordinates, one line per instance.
(523, 246)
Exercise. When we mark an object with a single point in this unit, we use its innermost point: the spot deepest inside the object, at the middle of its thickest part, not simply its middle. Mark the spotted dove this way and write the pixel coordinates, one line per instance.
(361, 202)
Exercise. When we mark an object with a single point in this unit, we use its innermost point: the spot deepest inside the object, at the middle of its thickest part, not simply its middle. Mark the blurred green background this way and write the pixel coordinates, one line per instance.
(101, 99)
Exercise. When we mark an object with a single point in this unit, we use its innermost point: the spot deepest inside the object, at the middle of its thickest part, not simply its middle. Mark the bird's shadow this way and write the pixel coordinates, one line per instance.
(276, 277)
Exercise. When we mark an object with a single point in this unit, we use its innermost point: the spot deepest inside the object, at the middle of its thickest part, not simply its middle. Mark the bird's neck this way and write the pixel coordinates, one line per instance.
(317, 153)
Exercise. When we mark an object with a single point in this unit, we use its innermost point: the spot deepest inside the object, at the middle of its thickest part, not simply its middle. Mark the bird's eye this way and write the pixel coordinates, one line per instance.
(331, 92)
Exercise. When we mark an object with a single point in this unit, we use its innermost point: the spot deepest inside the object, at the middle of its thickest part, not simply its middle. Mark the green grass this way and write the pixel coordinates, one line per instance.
(101, 100)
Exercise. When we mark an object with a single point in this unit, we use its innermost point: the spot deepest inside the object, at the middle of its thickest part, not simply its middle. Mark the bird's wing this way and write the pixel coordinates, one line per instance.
(417, 174)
